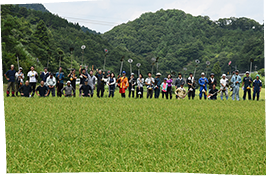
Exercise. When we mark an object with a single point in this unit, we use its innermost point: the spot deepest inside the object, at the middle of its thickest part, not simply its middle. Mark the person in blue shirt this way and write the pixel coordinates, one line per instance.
(42, 89)
(44, 75)
(59, 77)
(10, 76)
(203, 81)
(257, 84)
(157, 85)
(247, 81)
(236, 80)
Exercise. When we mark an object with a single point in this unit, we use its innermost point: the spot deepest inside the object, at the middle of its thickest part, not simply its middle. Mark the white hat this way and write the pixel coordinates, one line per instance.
(68, 82)
(20, 68)
(132, 73)
(223, 75)
(158, 74)
(202, 73)
(247, 72)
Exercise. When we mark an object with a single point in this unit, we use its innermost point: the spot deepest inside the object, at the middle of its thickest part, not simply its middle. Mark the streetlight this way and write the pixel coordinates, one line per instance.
(71, 50)
(106, 52)
(130, 61)
(251, 60)
(208, 63)
(138, 66)
(83, 47)
(153, 63)
(121, 64)
(197, 62)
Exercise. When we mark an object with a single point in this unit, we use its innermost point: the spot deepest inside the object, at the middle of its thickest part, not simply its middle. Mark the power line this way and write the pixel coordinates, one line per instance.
(94, 21)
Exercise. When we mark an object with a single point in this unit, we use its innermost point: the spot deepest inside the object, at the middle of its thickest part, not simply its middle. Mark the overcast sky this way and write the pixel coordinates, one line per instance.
(103, 15)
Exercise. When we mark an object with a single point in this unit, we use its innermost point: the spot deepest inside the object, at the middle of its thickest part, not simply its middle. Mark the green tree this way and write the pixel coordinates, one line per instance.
(217, 71)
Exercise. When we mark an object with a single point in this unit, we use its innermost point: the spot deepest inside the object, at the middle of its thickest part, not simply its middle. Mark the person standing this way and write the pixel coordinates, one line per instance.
(224, 88)
(68, 90)
(59, 77)
(91, 82)
(178, 82)
(203, 81)
(212, 81)
(83, 77)
(180, 91)
(10, 77)
(157, 85)
(236, 80)
(257, 84)
(86, 89)
(100, 83)
(73, 78)
(42, 89)
(164, 87)
(139, 89)
(247, 80)
(169, 89)
(25, 90)
(51, 83)
(149, 84)
(111, 84)
(44, 75)
(131, 87)
(32, 76)
(191, 87)
(123, 83)
(19, 80)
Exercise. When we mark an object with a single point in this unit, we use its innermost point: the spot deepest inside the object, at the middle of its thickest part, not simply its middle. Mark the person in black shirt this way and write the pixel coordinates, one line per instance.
(43, 90)
(247, 88)
(213, 93)
(25, 90)
(191, 86)
(100, 83)
(83, 77)
(73, 78)
(10, 76)
(86, 89)
(212, 81)
(131, 87)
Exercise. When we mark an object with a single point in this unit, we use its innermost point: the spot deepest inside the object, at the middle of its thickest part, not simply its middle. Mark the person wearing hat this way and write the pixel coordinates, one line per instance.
(19, 80)
(32, 76)
(247, 80)
(149, 84)
(10, 76)
(42, 89)
(157, 85)
(122, 83)
(51, 83)
(212, 81)
(236, 80)
(59, 77)
(44, 75)
(139, 89)
(257, 84)
(85, 89)
(131, 87)
(191, 87)
(223, 85)
(180, 91)
(203, 81)
(73, 78)
(100, 83)
(179, 81)
(68, 90)
(111, 83)
(164, 87)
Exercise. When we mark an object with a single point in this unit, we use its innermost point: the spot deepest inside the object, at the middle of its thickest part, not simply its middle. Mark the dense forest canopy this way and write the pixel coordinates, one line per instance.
(176, 38)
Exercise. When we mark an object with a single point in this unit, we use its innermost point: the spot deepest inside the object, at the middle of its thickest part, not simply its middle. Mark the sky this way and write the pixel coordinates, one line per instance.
(103, 15)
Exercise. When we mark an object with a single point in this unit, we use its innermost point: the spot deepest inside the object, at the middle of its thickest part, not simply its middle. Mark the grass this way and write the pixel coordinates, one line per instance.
(136, 135)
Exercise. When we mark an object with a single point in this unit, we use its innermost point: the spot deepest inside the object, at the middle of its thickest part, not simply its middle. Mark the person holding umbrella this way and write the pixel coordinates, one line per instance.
(236, 80)
(257, 84)
(203, 81)
(122, 83)
(247, 80)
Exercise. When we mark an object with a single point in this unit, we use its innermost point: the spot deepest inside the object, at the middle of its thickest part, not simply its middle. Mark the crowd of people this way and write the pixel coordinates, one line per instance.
(135, 85)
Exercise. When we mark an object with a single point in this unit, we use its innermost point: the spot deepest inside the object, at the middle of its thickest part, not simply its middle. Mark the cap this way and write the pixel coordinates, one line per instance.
(123, 72)
(237, 71)
(132, 73)
(165, 79)
(158, 74)
(182, 83)
(179, 73)
(223, 75)
(86, 80)
(258, 76)
(68, 82)
(51, 74)
(247, 72)
(20, 68)
(202, 73)
(212, 74)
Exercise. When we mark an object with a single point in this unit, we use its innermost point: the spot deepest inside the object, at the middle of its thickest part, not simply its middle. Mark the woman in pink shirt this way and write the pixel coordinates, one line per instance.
(169, 89)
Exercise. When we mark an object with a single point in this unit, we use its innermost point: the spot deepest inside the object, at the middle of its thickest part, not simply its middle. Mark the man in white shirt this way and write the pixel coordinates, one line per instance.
(149, 82)
(51, 83)
(32, 76)
(224, 88)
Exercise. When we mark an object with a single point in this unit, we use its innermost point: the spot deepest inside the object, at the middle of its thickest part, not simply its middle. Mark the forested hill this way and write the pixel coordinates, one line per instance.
(178, 39)
(34, 34)
(39, 7)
